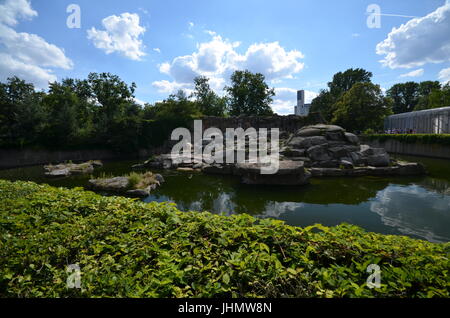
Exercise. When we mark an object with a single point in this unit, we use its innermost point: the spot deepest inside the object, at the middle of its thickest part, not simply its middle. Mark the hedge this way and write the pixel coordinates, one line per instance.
(128, 248)
(441, 139)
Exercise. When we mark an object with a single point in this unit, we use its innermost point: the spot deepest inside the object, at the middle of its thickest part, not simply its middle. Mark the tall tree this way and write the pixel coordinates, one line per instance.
(209, 103)
(405, 96)
(249, 94)
(362, 107)
(21, 114)
(342, 82)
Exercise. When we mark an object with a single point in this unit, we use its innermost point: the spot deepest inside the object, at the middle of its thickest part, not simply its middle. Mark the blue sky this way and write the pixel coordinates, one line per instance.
(162, 45)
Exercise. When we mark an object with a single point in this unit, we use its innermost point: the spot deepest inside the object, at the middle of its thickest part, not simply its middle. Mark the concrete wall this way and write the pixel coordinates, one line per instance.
(28, 157)
(288, 124)
(415, 149)
(10, 158)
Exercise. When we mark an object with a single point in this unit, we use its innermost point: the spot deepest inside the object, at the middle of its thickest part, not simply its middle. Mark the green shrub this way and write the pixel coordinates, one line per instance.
(440, 139)
(128, 248)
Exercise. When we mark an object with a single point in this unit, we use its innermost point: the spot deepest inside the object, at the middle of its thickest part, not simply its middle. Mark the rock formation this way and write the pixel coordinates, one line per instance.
(317, 150)
(67, 169)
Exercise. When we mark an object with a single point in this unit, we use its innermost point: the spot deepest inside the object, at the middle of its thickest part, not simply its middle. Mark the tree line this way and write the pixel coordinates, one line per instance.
(100, 111)
(354, 102)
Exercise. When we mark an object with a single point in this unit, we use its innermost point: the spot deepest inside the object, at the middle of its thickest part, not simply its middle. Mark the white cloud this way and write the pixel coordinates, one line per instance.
(157, 50)
(168, 87)
(415, 73)
(356, 35)
(218, 59)
(191, 25)
(419, 41)
(27, 55)
(13, 9)
(122, 34)
(444, 75)
(9, 66)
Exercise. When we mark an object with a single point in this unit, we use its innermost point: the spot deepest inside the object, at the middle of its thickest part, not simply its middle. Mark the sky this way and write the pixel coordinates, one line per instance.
(163, 45)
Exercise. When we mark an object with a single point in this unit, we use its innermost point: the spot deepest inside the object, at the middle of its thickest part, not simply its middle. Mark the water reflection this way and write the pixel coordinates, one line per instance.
(415, 206)
(414, 210)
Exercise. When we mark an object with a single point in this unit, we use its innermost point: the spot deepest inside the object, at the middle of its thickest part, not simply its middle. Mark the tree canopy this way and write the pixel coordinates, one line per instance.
(362, 107)
(249, 94)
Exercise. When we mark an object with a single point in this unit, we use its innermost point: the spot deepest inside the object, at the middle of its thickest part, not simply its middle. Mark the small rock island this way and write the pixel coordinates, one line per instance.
(312, 151)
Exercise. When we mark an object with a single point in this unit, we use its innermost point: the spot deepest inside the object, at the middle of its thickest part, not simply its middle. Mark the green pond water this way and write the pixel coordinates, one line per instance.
(415, 206)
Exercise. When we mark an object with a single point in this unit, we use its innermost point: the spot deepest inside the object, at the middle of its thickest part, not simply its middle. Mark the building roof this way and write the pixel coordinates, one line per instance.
(421, 112)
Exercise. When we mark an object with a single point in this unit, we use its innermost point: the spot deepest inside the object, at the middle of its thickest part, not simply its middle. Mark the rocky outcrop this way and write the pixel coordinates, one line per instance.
(123, 185)
(67, 169)
(289, 173)
(329, 146)
(317, 150)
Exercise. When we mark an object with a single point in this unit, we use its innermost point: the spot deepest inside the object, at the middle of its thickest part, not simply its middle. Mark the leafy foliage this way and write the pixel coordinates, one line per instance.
(362, 107)
(209, 103)
(249, 94)
(127, 248)
(342, 82)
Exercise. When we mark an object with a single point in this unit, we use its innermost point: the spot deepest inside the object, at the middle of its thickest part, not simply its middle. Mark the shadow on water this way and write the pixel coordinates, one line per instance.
(415, 206)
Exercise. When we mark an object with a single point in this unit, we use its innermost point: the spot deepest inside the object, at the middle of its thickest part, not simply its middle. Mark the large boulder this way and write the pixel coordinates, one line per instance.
(116, 184)
(352, 138)
(306, 142)
(67, 169)
(319, 153)
(381, 160)
(318, 130)
(289, 173)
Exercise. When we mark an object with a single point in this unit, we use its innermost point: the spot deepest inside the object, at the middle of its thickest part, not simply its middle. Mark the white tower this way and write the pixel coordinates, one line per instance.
(301, 109)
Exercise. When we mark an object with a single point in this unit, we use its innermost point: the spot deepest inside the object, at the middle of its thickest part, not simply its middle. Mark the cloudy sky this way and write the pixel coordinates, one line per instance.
(163, 45)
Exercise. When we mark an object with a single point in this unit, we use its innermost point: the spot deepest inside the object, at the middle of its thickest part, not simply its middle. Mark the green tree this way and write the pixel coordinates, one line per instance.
(362, 107)
(21, 114)
(405, 96)
(342, 82)
(323, 104)
(249, 94)
(209, 103)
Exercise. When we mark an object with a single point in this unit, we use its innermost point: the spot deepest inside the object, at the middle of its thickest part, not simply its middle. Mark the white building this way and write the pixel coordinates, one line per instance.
(301, 109)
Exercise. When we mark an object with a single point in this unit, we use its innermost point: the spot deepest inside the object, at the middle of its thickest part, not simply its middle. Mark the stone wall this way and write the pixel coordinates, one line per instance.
(414, 149)
(289, 123)
(10, 158)
(28, 157)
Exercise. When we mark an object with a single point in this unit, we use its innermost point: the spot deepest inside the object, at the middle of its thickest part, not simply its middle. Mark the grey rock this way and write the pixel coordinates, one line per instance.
(58, 173)
(378, 160)
(308, 132)
(140, 193)
(117, 184)
(369, 151)
(358, 158)
(352, 138)
(319, 153)
(339, 152)
(346, 164)
(335, 136)
(410, 168)
(289, 173)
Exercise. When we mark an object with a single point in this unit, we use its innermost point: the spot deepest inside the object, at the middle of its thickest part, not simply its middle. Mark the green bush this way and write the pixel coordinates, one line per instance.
(440, 139)
(127, 248)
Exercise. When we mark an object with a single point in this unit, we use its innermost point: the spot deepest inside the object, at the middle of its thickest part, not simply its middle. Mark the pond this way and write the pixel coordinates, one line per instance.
(415, 206)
